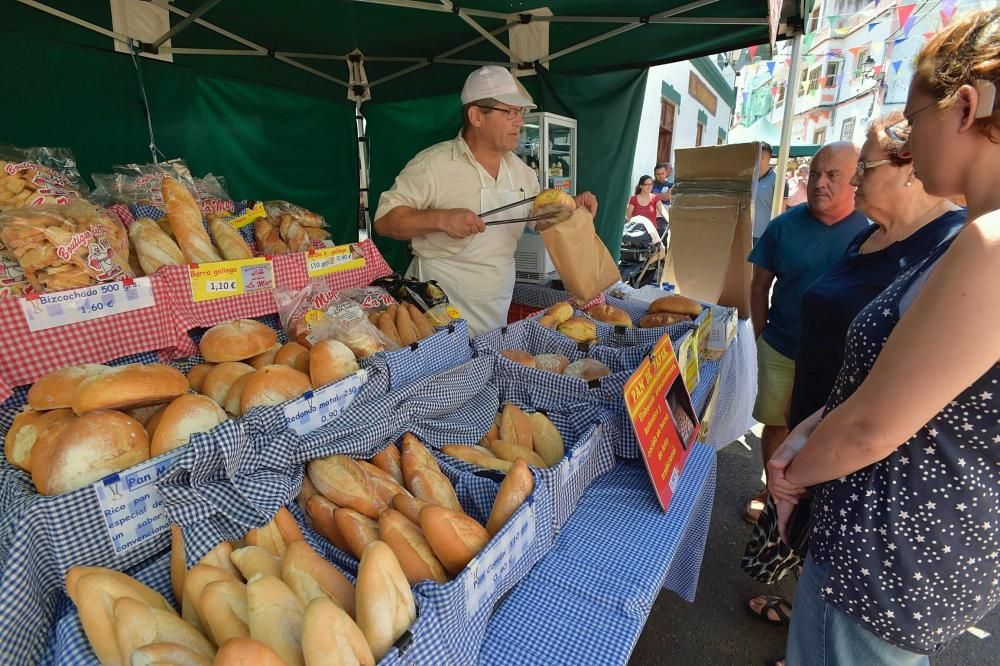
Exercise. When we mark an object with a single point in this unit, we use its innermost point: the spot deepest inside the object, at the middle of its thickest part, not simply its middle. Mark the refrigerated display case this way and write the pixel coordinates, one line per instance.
(548, 145)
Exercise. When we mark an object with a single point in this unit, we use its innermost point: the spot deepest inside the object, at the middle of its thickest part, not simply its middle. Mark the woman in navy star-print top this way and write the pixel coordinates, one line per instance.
(904, 550)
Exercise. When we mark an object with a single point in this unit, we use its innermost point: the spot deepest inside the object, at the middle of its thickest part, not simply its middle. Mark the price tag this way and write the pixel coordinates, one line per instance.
(59, 308)
(221, 279)
(333, 260)
(256, 212)
(131, 504)
(579, 456)
(317, 408)
(491, 570)
(687, 357)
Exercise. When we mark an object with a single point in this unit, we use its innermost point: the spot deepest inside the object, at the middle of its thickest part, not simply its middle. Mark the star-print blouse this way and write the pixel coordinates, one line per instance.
(913, 541)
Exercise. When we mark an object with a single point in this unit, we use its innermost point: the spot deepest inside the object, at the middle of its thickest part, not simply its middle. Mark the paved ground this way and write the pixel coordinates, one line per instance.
(718, 628)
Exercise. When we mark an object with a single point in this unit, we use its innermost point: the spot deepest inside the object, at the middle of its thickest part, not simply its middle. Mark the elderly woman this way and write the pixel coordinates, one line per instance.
(908, 223)
(905, 464)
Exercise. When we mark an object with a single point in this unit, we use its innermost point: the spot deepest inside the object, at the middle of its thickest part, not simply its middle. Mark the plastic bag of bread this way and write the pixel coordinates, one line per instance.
(38, 176)
(370, 298)
(428, 297)
(306, 218)
(300, 309)
(347, 322)
(65, 247)
(140, 184)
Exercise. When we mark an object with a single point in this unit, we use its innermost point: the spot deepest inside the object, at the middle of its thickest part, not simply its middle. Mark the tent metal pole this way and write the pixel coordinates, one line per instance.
(472, 63)
(791, 93)
(165, 4)
(307, 68)
(426, 6)
(212, 52)
(185, 22)
(364, 213)
(76, 21)
(462, 14)
(698, 20)
(682, 9)
(589, 42)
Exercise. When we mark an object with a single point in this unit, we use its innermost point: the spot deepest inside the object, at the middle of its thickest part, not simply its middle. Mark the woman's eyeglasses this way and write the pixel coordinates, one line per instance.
(900, 132)
(864, 166)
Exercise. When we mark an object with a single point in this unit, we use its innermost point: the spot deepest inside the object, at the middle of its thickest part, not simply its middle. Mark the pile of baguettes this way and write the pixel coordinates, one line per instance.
(84, 422)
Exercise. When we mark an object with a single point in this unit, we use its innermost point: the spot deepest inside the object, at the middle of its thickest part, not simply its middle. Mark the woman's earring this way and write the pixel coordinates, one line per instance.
(909, 180)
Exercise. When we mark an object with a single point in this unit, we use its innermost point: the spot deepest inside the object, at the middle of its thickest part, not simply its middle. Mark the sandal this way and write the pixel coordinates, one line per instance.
(776, 604)
(754, 507)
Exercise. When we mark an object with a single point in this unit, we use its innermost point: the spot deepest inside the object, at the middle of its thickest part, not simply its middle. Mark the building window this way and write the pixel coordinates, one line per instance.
(702, 93)
(819, 136)
(699, 134)
(862, 56)
(813, 82)
(847, 130)
(832, 72)
(665, 140)
(814, 18)
(781, 95)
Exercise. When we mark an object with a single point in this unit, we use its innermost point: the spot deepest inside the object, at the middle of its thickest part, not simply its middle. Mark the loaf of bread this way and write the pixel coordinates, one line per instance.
(273, 385)
(561, 312)
(268, 239)
(184, 416)
(158, 654)
(45, 446)
(223, 609)
(609, 314)
(658, 319)
(454, 537)
(330, 361)
(196, 376)
(357, 530)
(677, 304)
(293, 355)
(265, 357)
(231, 405)
(330, 636)
(388, 461)
(341, 480)
(287, 526)
(184, 216)
(588, 369)
(129, 386)
(555, 205)
(322, 516)
(316, 233)
(24, 434)
(420, 322)
(519, 356)
(507, 450)
(196, 580)
(229, 241)
(385, 605)
(580, 329)
(55, 390)
(516, 487)
(237, 340)
(247, 652)
(476, 455)
(551, 363)
(414, 455)
(137, 624)
(383, 484)
(275, 615)
(221, 557)
(432, 486)
(153, 248)
(411, 549)
(514, 426)
(294, 235)
(311, 577)
(409, 506)
(546, 440)
(91, 447)
(253, 560)
(275, 536)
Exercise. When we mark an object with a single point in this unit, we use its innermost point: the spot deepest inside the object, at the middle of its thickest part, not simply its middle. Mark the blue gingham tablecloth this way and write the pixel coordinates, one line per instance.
(447, 348)
(587, 601)
(619, 336)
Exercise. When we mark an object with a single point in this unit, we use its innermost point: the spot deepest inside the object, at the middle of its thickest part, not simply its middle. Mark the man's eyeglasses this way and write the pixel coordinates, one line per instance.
(900, 132)
(864, 166)
(512, 114)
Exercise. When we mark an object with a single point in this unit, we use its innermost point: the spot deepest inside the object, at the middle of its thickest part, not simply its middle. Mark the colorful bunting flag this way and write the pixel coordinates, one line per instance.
(903, 13)
(900, 40)
(928, 35)
(910, 22)
(877, 70)
(807, 41)
(855, 50)
(871, 26)
(895, 65)
(948, 11)
(770, 67)
(752, 51)
(833, 21)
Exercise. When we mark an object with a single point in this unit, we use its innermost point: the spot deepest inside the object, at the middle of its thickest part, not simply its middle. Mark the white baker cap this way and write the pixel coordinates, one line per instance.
(497, 83)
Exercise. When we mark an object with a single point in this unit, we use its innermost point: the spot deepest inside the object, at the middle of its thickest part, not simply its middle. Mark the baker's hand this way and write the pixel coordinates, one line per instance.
(460, 223)
(586, 200)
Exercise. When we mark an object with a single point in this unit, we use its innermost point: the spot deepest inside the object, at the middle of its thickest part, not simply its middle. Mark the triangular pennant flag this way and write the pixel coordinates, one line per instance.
(807, 41)
(899, 41)
(895, 65)
(903, 13)
(833, 21)
(928, 35)
(770, 67)
(910, 22)
(948, 11)
(871, 26)
(855, 50)
(810, 59)
(752, 51)
(877, 69)
(774, 90)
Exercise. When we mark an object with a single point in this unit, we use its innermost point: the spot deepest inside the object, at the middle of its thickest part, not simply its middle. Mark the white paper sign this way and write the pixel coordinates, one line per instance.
(59, 308)
(317, 408)
(491, 568)
(578, 457)
(131, 504)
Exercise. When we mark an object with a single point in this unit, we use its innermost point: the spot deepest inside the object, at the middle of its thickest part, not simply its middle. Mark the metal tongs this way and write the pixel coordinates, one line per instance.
(522, 202)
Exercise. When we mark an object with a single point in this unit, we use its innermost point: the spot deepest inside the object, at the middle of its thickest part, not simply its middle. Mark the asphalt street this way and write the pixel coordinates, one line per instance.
(718, 627)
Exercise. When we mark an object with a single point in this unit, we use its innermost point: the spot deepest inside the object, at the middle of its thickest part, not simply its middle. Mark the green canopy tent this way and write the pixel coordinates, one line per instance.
(270, 95)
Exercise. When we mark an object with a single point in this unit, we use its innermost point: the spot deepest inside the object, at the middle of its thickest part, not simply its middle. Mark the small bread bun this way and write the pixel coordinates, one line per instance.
(519, 356)
(432, 486)
(385, 605)
(415, 455)
(196, 376)
(237, 340)
(273, 385)
(311, 577)
(43, 450)
(24, 433)
(55, 390)
(247, 652)
(560, 312)
(186, 415)
(516, 487)
(556, 363)
(223, 609)
(231, 405)
(555, 204)
(91, 447)
(659, 319)
(546, 439)
(388, 460)
(609, 314)
(265, 357)
(293, 355)
(383, 484)
(587, 368)
(410, 547)
(409, 506)
(358, 530)
(275, 615)
(580, 329)
(158, 654)
(677, 304)
(137, 625)
(330, 636)
(253, 560)
(475, 455)
(220, 379)
(129, 386)
(454, 537)
(341, 480)
(322, 515)
(331, 360)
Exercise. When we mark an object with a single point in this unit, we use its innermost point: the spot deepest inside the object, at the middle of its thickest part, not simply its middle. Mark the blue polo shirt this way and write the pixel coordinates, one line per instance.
(798, 249)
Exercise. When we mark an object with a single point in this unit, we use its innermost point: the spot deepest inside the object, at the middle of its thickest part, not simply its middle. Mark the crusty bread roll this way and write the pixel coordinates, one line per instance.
(588, 369)
(331, 360)
(93, 446)
(322, 514)
(153, 248)
(477, 456)
(154, 420)
(548, 321)
(184, 216)
(195, 580)
(273, 385)
(196, 376)
(130, 386)
(231, 405)
(229, 241)
(221, 557)
(287, 526)
(311, 577)
(357, 529)
(293, 355)
(410, 547)
(560, 312)
(178, 564)
(275, 615)
(253, 560)
(294, 234)
(580, 329)
(144, 414)
(382, 482)
(551, 362)
(171, 654)
(137, 624)
(236, 340)
(514, 426)
(24, 434)
(388, 460)
(409, 506)
(432, 486)
(507, 450)
(223, 610)
(609, 314)
(265, 357)
(186, 415)
(516, 487)
(316, 233)
(331, 638)
(677, 304)
(454, 537)
(546, 440)
(658, 319)
(556, 205)
(55, 390)
(44, 448)
(269, 242)
(385, 605)
(519, 356)
(341, 480)
(414, 455)
(247, 652)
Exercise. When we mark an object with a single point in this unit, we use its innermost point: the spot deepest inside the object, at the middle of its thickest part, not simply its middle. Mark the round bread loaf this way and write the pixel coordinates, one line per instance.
(92, 446)
(272, 385)
(186, 415)
(264, 358)
(25, 431)
(609, 314)
(55, 390)
(587, 368)
(676, 303)
(293, 355)
(659, 319)
(221, 378)
(556, 363)
(196, 375)
(519, 356)
(556, 205)
(130, 386)
(237, 340)
(560, 312)
(329, 361)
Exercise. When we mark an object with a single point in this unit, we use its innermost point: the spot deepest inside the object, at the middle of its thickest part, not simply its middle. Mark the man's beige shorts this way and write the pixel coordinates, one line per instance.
(775, 375)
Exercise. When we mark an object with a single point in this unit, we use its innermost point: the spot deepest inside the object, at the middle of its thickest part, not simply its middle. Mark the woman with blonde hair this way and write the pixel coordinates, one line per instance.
(904, 467)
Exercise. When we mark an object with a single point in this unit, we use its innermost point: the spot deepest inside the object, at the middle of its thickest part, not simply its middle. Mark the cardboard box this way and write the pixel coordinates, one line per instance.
(721, 333)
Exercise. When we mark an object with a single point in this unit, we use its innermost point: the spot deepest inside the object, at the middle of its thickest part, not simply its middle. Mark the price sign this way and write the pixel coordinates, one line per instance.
(491, 570)
(254, 213)
(131, 504)
(663, 418)
(230, 278)
(59, 308)
(333, 260)
(317, 408)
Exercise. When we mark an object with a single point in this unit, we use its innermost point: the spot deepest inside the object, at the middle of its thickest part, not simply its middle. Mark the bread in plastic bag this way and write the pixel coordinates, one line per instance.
(38, 176)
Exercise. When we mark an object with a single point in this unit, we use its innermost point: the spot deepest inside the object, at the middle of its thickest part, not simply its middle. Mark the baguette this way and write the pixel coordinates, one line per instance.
(247, 652)
(223, 609)
(432, 486)
(229, 241)
(477, 456)
(287, 526)
(275, 617)
(173, 654)
(221, 557)
(153, 248)
(129, 386)
(253, 560)
(409, 506)
(184, 216)
(454, 537)
(388, 461)
(384, 485)
(415, 455)
(331, 638)
(385, 324)
(322, 513)
(137, 625)
(515, 488)
(311, 577)
(424, 328)
(385, 605)
(407, 541)
(358, 530)
(341, 480)
(404, 327)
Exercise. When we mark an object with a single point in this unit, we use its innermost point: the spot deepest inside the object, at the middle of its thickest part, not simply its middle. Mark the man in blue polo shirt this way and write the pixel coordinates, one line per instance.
(794, 250)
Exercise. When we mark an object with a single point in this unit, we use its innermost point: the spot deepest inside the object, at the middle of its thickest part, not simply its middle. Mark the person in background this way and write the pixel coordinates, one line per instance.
(797, 247)
(644, 202)
(797, 185)
(767, 179)
(662, 184)
(903, 462)
(908, 224)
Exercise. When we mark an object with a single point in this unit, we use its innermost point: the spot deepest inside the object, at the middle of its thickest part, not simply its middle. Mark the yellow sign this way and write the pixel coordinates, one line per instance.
(687, 357)
(255, 213)
(332, 260)
(222, 279)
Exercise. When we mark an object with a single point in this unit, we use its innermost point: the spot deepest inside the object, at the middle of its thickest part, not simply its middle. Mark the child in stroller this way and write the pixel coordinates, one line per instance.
(643, 253)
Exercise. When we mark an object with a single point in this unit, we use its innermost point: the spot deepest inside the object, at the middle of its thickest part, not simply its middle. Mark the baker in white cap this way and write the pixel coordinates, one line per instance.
(436, 200)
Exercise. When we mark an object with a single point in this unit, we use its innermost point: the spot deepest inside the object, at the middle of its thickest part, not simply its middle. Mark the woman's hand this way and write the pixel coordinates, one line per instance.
(777, 483)
(784, 513)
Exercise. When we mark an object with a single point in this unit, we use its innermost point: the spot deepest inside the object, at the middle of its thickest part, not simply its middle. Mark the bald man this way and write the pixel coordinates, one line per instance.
(796, 248)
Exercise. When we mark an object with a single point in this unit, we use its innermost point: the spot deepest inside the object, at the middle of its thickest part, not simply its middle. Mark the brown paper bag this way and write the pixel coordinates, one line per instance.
(584, 263)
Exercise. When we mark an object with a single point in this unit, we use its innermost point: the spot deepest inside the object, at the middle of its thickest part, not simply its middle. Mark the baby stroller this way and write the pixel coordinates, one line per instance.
(642, 254)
